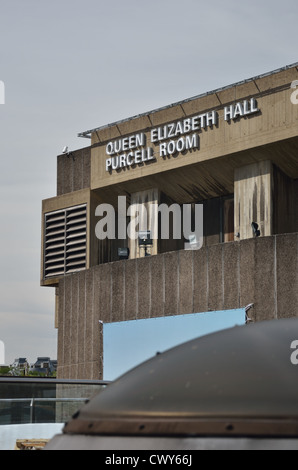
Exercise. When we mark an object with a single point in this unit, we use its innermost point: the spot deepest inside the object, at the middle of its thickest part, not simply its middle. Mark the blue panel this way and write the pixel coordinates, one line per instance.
(127, 344)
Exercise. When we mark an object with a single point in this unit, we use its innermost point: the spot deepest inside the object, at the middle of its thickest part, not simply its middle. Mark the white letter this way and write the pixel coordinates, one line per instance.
(121, 217)
(195, 123)
(180, 145)
(138, 217)
(254, 106)
(125, 144)
(211, 118)
(115, 163)
(140, 140)
(164, 211)
(294, 356)
(108, 164)
(117, 146)
(154, 135)
(229, 111)
(163, 150)
(144, 155)
(122, 160)
(138, 156)
(195, 239)
(110, 148)
(179, 129)
(192, 141)
(172, 147)
(171, 128)
(162, 133)
(246, 107)
(153, 220)
(108, 220)
(150, 153)
(130, 159)
(187, 126)
(132, 142)
(202, 118)
(238, 110)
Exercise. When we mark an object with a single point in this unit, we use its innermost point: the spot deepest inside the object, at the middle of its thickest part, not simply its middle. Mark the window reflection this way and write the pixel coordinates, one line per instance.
(127, 344)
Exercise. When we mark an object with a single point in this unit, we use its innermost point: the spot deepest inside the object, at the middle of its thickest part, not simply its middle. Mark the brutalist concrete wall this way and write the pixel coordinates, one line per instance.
(73, 171)
(262, 271)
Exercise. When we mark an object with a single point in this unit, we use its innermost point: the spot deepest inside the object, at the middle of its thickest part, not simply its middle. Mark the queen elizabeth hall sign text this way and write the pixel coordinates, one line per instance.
(181, 136)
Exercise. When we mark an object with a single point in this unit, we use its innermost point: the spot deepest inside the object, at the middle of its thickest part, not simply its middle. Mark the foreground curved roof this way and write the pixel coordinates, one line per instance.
(239, 381)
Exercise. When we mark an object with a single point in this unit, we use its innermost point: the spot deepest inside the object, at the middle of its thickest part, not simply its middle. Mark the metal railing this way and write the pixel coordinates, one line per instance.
(7, 405)
(31, 400)
(45, 380)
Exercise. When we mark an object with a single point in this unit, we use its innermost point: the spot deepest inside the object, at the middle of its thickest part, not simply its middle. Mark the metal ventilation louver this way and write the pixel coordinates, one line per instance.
(65, 241)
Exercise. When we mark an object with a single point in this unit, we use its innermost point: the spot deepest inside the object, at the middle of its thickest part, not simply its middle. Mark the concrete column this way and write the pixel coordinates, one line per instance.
(253, 199)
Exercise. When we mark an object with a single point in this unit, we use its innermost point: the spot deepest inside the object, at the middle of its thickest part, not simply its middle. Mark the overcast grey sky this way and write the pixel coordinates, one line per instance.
(72, 65)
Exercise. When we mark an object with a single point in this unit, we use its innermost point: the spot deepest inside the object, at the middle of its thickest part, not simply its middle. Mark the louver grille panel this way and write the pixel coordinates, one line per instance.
(54, 243)
(76, 229)
(65, 241)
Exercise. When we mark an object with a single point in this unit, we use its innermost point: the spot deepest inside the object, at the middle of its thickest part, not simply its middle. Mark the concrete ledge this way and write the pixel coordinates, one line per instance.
(262, 271)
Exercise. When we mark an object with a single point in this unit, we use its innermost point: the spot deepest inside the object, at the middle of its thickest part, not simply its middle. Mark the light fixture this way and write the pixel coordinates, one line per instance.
(145, 240)
(255, 229)
(123, 253)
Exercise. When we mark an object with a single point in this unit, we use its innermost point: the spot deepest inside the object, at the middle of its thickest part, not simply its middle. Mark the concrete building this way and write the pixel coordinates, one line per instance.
(233, 150)
(44, 365)
(21, 365)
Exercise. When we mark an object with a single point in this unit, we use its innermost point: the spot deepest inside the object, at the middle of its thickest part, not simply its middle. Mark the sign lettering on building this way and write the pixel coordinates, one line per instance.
(181, 136)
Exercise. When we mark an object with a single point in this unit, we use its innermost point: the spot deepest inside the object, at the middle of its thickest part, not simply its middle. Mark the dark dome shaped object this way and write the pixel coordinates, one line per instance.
(237, 382)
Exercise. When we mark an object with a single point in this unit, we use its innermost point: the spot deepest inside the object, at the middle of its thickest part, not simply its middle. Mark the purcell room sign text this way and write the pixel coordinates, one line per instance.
(181, 136)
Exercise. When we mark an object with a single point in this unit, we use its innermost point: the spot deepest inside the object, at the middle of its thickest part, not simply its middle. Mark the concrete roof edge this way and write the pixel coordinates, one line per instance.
(87, 134)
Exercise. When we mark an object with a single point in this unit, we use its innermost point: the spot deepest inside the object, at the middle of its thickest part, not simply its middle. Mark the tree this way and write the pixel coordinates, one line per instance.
(5, 370)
